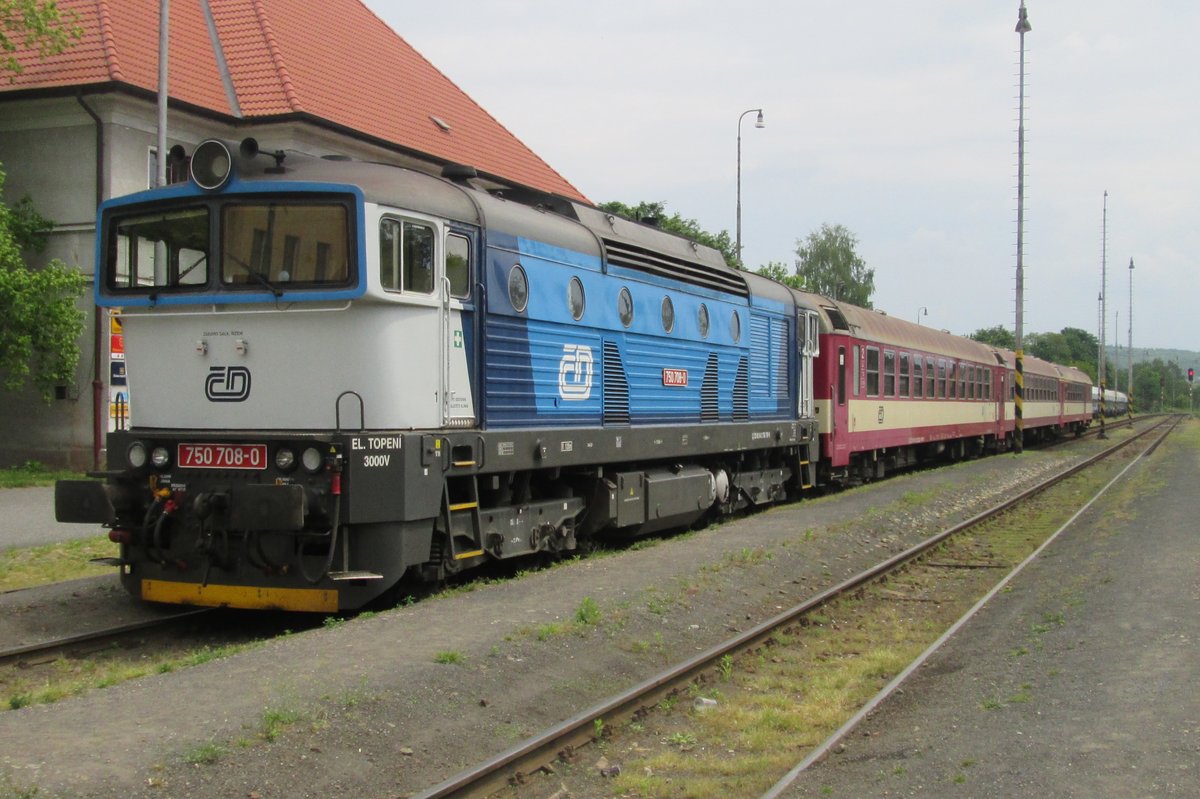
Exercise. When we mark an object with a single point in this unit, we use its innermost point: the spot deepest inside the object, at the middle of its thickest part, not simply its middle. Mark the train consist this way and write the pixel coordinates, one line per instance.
(345, 373)
(1116, 403)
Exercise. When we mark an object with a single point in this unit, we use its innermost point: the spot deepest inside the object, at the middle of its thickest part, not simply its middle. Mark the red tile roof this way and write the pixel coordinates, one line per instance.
(333, 60)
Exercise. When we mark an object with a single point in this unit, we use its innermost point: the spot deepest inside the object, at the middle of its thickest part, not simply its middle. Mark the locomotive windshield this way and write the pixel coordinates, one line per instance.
(242, 245)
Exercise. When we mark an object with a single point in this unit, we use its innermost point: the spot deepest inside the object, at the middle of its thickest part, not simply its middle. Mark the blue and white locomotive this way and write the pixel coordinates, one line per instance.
(343, 372)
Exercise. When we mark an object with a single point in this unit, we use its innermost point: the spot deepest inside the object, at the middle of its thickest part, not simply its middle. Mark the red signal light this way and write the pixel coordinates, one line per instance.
(1191, 375)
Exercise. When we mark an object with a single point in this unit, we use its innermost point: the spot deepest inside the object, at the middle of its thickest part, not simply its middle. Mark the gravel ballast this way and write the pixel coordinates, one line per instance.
(364, 708)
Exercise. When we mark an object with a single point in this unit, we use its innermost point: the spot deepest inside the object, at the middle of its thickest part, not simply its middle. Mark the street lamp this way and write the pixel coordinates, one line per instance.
(1022, 28)
(758, 123)
(922, 311)
(1129, 347)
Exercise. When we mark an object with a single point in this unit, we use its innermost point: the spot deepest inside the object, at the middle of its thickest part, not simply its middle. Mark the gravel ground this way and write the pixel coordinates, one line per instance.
(1078, 682)
(364, 709)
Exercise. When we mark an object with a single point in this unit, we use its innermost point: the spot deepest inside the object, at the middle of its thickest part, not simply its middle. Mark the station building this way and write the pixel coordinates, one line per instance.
(327, 78)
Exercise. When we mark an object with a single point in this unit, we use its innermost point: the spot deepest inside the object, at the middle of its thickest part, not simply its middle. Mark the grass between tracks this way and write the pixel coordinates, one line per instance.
(52, 563)
(772, 705)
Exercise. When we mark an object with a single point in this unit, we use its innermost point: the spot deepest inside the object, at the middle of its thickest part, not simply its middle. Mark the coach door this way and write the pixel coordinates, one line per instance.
(459, 295)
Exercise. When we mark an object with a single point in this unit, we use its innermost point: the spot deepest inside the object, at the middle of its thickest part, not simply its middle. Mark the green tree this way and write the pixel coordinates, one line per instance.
(34, 24)
(998, 336)
(40, 323)
(656, 214)
(829, 264)
(781, 274)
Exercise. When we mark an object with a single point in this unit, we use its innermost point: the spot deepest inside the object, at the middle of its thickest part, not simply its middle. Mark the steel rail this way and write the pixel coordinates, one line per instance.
(15, 652)
(558, 741)
(822, 751)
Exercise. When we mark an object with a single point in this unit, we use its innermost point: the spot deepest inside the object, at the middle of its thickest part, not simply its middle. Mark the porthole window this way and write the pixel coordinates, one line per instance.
(625, 307)
(575, 299)
(735, 327)
(703, 320)
(518, 288)
(668, 314)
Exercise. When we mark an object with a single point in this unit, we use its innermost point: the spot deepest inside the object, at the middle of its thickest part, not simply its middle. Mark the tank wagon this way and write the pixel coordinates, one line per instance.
(344, 372)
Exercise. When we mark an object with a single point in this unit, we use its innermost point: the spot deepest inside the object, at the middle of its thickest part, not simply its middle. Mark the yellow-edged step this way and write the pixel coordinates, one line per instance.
(317, 600)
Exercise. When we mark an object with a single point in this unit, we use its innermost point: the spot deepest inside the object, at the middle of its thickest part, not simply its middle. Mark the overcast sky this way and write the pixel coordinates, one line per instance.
(897, 120)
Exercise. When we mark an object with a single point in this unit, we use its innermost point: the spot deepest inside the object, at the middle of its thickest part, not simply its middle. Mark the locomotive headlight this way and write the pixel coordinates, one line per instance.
(160, 456)
(285, 459)
(312, 459)
(212, 165)
(136, 455)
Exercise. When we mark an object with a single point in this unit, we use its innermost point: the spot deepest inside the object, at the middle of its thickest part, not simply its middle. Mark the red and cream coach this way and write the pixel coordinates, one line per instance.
(891, 394)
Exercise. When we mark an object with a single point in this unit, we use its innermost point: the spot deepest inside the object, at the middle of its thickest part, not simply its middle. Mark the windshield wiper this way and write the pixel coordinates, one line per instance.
(254, 273)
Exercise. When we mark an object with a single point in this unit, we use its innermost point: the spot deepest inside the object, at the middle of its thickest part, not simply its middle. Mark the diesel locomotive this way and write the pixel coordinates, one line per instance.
(342, 373)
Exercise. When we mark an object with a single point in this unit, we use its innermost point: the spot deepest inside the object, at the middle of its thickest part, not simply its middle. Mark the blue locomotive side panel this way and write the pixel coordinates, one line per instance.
(568, 344)
(772, 353)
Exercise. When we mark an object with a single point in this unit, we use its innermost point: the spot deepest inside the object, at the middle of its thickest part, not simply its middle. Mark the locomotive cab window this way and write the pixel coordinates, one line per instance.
(458, 265)
(159, 250)
(270, 244)
(406, 256)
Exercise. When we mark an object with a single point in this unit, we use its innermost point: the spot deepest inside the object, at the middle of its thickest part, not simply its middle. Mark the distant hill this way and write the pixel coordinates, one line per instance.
(1184, 358)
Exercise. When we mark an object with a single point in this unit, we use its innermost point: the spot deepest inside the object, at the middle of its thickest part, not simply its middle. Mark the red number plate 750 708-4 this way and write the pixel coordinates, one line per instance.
(223, 456)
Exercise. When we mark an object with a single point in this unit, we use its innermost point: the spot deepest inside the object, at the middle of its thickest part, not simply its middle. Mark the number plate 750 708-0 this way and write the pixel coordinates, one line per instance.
(223, 456)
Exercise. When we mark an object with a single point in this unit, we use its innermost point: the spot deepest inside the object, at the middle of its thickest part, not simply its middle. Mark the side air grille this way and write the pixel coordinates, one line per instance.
(709, 409)
(622, 253)
(616, 386)
(741, 393)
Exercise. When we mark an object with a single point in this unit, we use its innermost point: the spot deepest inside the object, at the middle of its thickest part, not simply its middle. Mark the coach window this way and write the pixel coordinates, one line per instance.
(889, 373)
(941, 378)
(930, 377)
(857, 366)
(872, 371)
(406, 256)
(904, 369)
(951, 379)
(841, 376)
(918, 376)
(458, 265)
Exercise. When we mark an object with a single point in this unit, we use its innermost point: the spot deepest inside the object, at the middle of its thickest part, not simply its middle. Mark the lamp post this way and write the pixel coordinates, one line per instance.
(922, 311)
(758, 123)
(1103, 290)
(1129, 346)
(1023, 27)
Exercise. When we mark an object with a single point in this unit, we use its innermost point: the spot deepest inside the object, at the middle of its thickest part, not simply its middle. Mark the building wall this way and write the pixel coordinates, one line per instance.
(48, 150)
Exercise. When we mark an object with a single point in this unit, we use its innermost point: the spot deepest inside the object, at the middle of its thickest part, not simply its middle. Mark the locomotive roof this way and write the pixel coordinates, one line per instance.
(547, 218)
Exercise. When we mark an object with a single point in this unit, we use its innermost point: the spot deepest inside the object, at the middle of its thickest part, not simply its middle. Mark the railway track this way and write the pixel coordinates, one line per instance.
(41, 650)
(560, 741)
